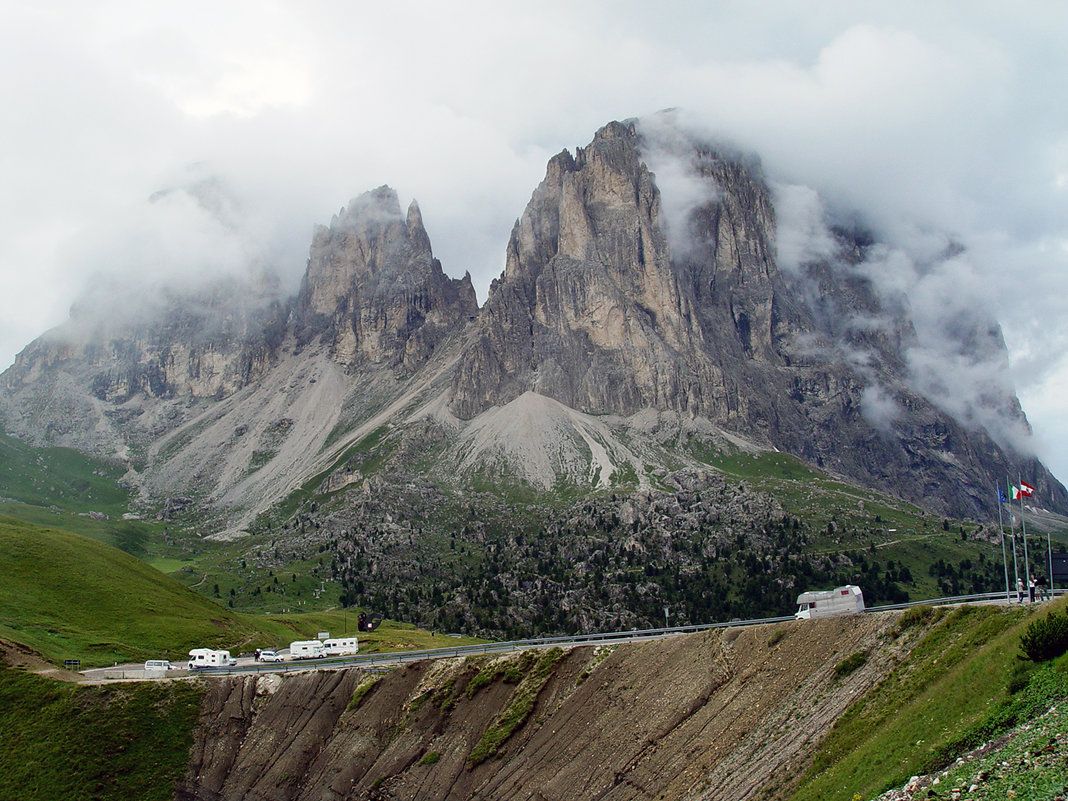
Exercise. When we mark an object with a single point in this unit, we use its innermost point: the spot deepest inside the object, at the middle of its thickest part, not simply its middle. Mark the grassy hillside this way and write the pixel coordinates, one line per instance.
(59, 476)
(960, 686)
(69, 597)
(63, 488)
(119, 742)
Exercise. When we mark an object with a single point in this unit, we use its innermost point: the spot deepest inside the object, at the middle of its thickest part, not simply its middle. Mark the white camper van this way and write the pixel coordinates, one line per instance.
(306, 649)
(207, 658)
(847, 600)
(342, 646)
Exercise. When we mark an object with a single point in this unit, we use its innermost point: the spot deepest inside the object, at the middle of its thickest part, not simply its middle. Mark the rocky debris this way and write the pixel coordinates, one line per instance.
(1028, 764)
(705, 547)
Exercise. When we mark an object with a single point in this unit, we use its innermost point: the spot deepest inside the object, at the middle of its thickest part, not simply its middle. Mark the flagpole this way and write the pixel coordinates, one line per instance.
(1012, 532)
(1004, 559)
(1023, 533)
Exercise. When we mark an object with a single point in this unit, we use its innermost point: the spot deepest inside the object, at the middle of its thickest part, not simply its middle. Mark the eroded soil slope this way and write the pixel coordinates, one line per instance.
(722, 714)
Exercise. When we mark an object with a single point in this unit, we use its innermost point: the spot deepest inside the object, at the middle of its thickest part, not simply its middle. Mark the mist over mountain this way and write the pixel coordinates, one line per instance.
(658, 289)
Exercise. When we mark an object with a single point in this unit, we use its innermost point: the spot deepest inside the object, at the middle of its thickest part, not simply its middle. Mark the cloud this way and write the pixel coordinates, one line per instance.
(801, 233)
(924, 117)
(668, 153)
(879, 408)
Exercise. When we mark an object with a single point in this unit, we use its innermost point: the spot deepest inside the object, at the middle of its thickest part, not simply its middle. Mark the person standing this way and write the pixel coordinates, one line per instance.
(1043, 590)
(1031, 590)
(1019, 590)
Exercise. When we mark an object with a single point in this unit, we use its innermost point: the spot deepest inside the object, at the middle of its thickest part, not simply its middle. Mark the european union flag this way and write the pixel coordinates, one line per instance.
(1001, 496)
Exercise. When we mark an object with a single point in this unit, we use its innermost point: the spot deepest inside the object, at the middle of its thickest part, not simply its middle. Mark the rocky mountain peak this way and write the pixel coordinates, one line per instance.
(642, 292)
(373, 290)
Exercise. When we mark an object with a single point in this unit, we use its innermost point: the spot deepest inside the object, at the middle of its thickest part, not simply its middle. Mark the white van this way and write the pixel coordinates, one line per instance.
(153, 665)
(847, 600)
(306, 649)
(342, 646)
(207, 658)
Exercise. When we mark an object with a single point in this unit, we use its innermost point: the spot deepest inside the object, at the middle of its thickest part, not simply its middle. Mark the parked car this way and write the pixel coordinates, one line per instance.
(159, 664)
(271, 656)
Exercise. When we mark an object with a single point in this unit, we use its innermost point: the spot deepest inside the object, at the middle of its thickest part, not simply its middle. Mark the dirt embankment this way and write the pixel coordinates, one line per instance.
(725, 714)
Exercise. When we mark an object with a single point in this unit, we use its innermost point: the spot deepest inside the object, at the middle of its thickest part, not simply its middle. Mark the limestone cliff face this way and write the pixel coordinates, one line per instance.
(88, 383)
(589, 310)
(373, 290)
(626, 288)
(205, 343)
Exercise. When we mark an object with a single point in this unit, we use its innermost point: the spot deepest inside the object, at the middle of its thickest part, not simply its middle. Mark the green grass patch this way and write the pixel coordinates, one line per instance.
(168, 565)
(117, 742)
(69, 597)
(519, 708)
(1045, 686)
(360, 692)
(850, 664)
(60, 477)
(954, 675)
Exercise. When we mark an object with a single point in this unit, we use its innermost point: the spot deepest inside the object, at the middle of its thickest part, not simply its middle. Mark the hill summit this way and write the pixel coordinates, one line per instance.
(660, 297)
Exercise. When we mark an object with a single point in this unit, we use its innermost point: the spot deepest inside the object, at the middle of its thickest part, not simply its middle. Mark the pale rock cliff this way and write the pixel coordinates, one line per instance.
(374, 292)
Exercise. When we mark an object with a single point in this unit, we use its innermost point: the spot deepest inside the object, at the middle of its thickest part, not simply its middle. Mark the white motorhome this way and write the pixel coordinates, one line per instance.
(206, 658)
(306, 649)
(341, 646)
(847, 600)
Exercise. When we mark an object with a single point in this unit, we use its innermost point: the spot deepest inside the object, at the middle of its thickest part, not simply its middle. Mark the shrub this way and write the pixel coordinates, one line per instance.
(1045, 638)
(850, 664)
(1020, 676)
(430, 758)
(915, 616)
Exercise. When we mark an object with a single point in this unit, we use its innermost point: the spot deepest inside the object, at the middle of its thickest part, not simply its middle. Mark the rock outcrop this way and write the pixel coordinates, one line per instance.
(715, 715)
(609, 307)
(374, 292)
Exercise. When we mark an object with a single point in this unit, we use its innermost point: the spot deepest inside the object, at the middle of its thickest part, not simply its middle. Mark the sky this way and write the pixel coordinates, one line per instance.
(933, 122)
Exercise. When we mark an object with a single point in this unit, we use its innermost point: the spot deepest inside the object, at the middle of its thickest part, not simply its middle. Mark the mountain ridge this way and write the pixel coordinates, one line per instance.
(619, 301)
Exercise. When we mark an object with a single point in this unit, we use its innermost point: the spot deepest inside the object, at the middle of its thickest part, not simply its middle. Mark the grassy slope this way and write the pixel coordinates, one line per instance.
(118, 742)
(70, 597)
(59, 476)
(61, 487)
(951, 681)
(867, 524)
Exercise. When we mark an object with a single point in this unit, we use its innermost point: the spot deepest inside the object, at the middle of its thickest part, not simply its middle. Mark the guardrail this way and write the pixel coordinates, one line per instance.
(372, 661)
(959, 599)
(383, 661)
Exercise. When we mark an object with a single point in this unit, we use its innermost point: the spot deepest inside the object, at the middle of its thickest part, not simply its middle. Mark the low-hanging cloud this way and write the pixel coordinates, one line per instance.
(933, 118)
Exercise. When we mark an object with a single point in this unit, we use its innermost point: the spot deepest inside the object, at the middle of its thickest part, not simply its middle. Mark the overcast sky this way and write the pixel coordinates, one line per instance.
(931, 118)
